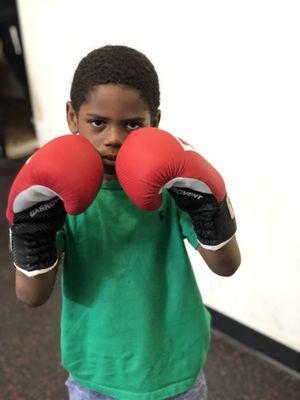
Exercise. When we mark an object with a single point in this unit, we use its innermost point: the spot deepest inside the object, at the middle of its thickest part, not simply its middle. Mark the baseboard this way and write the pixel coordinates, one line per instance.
(255, 340)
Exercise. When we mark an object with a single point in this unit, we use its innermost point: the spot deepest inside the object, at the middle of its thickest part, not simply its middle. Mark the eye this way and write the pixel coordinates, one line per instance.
(131, 126)
(97, 123)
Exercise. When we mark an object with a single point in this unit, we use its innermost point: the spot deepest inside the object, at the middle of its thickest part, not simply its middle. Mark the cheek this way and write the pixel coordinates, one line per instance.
(94, 139)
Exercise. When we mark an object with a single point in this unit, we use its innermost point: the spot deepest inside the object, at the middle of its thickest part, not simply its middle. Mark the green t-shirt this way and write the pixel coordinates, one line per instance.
(133, 322)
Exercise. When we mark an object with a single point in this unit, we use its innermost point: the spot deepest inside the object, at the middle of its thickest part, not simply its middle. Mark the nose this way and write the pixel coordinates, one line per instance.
(115, 137)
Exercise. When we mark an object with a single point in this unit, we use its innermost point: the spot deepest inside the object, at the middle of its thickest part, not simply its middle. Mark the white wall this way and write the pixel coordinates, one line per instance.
(230, 84)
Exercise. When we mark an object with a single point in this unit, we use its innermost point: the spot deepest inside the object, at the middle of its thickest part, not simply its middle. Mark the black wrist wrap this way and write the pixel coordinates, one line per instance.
(214, 223)
(33, 235)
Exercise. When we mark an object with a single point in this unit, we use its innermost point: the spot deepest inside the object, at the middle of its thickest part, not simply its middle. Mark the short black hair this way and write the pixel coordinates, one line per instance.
(116, 65)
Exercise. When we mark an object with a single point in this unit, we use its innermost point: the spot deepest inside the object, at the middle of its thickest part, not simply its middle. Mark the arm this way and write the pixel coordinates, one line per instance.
(45, 188)
(225, 261)
(193, 182)
(36, 290)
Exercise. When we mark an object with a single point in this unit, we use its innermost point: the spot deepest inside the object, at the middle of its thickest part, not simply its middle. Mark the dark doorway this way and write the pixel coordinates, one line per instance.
(17, 135)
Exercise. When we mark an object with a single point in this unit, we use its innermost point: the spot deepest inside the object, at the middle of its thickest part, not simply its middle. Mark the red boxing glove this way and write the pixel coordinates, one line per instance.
(151, 160)
(63, 176)
(67, 166)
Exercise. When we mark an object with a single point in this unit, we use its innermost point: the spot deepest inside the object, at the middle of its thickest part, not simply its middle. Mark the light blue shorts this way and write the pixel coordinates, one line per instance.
(77, 392)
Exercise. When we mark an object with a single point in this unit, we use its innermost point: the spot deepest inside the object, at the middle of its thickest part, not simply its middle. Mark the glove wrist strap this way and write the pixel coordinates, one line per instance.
(36, 272)
(214, 230)
(33, 255)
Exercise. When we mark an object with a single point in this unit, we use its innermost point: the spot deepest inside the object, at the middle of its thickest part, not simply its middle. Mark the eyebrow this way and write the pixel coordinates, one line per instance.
(141, 119)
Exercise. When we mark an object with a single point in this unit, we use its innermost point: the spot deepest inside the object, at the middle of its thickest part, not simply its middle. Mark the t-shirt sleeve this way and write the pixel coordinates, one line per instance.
(187, 228)
(60, 240)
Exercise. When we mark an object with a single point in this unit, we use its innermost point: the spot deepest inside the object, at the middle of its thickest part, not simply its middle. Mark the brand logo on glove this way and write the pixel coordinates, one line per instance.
(183, 192)
(44, 207)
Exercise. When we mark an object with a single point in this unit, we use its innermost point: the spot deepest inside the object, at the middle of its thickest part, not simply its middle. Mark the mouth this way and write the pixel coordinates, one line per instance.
(109, 159)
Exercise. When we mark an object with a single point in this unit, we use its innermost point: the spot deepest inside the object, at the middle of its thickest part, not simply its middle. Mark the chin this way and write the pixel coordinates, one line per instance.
(110, 172)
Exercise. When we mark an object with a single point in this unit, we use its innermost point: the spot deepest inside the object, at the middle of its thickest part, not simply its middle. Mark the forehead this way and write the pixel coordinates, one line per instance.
(115, 99)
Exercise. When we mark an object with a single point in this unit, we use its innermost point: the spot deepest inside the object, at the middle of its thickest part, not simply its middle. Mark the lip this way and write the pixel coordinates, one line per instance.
(110, 157)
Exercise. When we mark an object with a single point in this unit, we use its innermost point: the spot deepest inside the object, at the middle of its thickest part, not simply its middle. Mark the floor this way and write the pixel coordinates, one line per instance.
(29, 342)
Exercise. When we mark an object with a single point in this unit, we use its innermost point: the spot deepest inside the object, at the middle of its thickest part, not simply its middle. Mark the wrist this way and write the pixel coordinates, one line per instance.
(225, 261)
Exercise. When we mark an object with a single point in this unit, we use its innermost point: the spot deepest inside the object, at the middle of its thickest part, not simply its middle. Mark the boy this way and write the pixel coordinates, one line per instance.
(133, 322)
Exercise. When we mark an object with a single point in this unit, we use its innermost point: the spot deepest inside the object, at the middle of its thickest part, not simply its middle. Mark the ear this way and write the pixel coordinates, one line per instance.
(72, 118)
(155, 120)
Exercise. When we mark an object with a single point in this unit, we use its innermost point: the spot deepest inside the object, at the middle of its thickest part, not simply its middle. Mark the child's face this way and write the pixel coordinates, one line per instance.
(106, 118)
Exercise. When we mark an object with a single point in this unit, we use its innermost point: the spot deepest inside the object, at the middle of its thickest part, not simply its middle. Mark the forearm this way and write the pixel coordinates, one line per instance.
(224, 261)
(35, 291)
